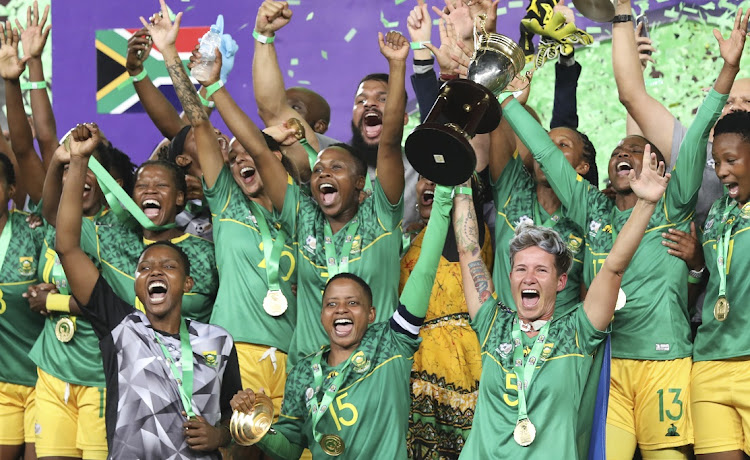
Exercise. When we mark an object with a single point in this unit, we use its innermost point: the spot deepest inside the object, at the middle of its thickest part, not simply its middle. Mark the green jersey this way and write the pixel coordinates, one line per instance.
(515, 197)
(560, 396)
(19, 326)
(374, 257)
(654, 324)
(370, 412)
(243, 282)
(78, 361)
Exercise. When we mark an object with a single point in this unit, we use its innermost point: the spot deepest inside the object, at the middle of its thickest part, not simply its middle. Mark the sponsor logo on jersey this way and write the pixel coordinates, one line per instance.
(504, 349)
(210, 358)
(26, 266)
(310, 244)
(672, 430)
(594, 227)
(662, 347)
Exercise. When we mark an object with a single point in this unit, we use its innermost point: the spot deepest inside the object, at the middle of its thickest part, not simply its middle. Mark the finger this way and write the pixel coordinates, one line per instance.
(743, 25)
(381, 41)
(28, 16)
(420, 2)
(432, 48)
(177, 20)
(44, 16)
(46, 31)
(164, 11)
(693, 231)
(18, 25)
(738, 19)
(35, 19)
(143, 21)
(439, 12)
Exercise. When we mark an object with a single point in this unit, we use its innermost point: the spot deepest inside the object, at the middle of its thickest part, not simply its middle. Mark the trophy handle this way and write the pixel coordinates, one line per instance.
(480, 30)
(522, 80)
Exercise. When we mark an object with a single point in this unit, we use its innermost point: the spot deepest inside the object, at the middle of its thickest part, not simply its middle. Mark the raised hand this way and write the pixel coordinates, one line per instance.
(11, 67)
(215, 74)
(567, 13)
(419, 23)
(285, 133)
(139, 47)
(162, 30)
(448, 46)
(272, 16)
(645, 47)
(487, 7)
(394, 46)
(651, 183)
(83, 140)
(731, 48)
(244, 401)
(34, 36)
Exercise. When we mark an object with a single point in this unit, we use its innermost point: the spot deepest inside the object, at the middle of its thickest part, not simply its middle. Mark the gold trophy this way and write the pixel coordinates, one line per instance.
(439, 148)
(247, 429)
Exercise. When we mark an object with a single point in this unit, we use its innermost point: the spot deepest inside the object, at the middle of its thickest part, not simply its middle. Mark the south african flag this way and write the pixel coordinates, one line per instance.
(114, 89)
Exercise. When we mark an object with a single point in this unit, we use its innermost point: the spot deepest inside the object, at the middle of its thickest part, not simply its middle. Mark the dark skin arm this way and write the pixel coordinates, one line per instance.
(37, 296)
(201, 435)
(53, 185)
(80, 270)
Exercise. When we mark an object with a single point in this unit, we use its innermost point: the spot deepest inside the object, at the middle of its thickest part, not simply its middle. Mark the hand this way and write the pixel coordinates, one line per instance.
(201, 435)
(37, 297)
(731, 48)
(162, 30)
(244, 401)
(448, 46)
(686, 246)
(62, 154)
(283, 133)
(395, 47)
(271, 17)
(419, 23)
(487, 7)
(462, 59)
(11, 67)
(34, 37)
(522, 84)
(645, 47)
(651, 183)
(567, 13)
(215, 74)
(34, 221)
(84, 139)
(139, 47)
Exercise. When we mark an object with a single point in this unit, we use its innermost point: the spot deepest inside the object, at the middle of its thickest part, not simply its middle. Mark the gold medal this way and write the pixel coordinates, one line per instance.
(275, 303)
(524, 433)
(65, 329)
(332, 445)
(721, 309)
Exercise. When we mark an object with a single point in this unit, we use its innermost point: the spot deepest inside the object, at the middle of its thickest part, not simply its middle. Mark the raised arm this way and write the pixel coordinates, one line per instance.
(390, 172)
(649, 187)
(653, 118)
(80, 270)
(502, 147)
(268, 82)
(33, 39)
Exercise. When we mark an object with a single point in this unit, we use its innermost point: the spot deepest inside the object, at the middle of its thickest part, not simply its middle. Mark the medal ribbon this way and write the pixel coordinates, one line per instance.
(722, 244)
(525, 371)
(550, 222)
(184, 378)
(320, 408)
(5, 239)
(342, 266)
(117, 198)
(271, 248)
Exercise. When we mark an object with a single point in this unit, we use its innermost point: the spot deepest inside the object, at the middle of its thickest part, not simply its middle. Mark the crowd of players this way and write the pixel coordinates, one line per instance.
(285, 262)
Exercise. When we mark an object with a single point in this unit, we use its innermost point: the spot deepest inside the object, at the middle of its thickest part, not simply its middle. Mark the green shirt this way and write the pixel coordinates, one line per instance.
(242, 269)
(374, 257)
(559, 396)
(515, 197)
(19, 326)
(654, 324)
(371, 409)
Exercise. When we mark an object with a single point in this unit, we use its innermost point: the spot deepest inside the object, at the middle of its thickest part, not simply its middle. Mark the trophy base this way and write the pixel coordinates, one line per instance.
(468, 102)
(441, 153)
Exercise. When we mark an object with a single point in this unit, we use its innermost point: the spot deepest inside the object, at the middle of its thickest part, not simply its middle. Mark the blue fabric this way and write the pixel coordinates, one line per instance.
(598, 444)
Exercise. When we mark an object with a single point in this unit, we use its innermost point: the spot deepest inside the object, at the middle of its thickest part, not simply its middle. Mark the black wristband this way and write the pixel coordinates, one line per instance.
(424, 61)
(622, 18)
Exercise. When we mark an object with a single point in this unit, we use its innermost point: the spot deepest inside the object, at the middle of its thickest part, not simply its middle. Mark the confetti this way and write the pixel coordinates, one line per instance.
(310, 15)
(436, 22)
(515, 4)
(398, 2)
(290, 73)
(709, 6)
(386, 23)
(294, 2)
(501, 11)
(690, 10)
(671, 14)
(349, 35)
(244, 26)
(593, 30)
(303, 82)
(324, 53)
(294, 61)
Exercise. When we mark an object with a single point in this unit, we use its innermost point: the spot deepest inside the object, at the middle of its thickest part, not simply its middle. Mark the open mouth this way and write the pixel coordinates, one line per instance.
(428, 197)
(623, 168)
(151, 208)
(372, 124)
(733, 188)
(248, 174)
(530, 298)
(343, 327)
(157, 292)
(328, 194)
(86, 189)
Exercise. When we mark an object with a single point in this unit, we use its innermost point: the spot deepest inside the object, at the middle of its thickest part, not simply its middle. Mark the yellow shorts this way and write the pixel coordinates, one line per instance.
(259, 371)
(651, 400)
(69, 419)
(720, 405)
(17, 409)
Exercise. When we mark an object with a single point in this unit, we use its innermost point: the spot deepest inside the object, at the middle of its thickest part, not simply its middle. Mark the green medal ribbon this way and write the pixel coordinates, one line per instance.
(312, 155)
(525, 371)
(59, 278)
(612, 223)
(319, 408)
(117, 198)
(271, 248)
(183, 378)
(342, 266)
(5, 239)
(722, 244)
(553, 219)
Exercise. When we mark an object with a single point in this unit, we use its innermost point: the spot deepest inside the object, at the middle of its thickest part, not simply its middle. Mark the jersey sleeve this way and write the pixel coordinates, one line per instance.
(404, 323)
(231, 384)
(279, 447)
(512, 174)
(291, 421)
(485, 318)
(89, 238)
(219, 195)
(687, 174)
(389, 215)
(105, 310)
(569, 186)
(293, 200)
(589, 337)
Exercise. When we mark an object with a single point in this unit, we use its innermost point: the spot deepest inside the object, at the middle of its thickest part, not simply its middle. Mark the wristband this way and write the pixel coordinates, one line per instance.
(34, 85)
(418, 45)
(695, 276)
(260, 38)
(622, 18)
(429, 62)
(140, 76)
(213, 87)
(206, 102)
(447, 76)
(462, 191)
(58, 302)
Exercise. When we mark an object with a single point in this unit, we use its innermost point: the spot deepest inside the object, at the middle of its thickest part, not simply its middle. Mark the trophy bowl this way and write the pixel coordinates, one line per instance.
(248, 429)
(596, 10)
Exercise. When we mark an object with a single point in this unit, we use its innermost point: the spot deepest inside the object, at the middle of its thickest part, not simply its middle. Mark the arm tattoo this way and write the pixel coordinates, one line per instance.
(186, 91)
(481, 280)
(466, 229)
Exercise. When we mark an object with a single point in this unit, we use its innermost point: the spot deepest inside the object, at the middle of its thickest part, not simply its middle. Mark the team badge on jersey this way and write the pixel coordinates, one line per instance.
(360, 362)
(672, 430)
(356, 245)
(210, 358)
(546, 351)
(26, 266)
(594, 227)
(574, 243)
